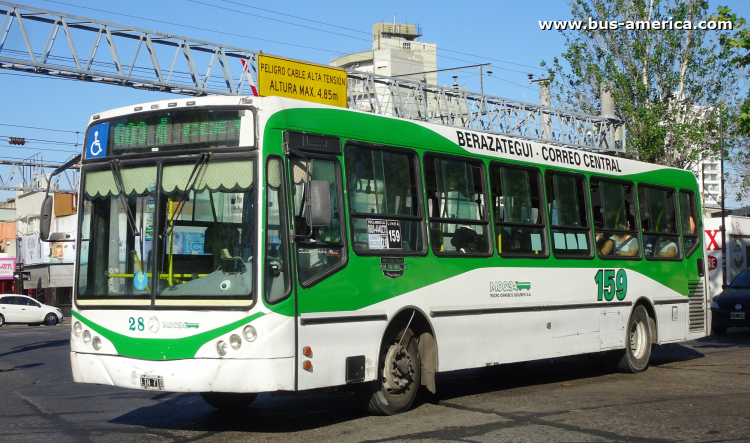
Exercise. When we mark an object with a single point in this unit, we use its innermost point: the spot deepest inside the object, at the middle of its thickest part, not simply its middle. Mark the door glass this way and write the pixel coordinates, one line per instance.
(320, 250)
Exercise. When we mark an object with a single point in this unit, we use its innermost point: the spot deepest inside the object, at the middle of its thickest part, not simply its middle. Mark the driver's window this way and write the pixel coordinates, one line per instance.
(321, 250)
(276, 270)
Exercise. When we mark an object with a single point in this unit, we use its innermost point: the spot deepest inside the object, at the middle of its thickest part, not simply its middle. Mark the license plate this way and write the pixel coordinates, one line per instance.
(737, 315)
(152, 382)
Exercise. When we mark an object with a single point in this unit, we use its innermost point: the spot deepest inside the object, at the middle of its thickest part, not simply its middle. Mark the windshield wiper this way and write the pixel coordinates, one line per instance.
(115, 165)
(202, 161)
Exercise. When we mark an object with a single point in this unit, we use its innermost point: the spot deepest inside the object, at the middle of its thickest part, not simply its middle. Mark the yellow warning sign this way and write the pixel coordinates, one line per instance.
(303, 81)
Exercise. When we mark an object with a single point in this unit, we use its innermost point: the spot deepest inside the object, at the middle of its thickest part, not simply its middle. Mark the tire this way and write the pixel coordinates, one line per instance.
(399, 376)
(635, 357)
(718, 329)
(228, 400)
(2, 320)
(50, 320)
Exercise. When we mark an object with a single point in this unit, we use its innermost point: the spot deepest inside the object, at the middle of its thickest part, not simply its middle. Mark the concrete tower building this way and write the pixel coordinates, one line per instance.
(395, 52)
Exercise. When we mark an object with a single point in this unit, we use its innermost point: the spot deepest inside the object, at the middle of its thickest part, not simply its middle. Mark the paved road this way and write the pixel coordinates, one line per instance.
(699, 391)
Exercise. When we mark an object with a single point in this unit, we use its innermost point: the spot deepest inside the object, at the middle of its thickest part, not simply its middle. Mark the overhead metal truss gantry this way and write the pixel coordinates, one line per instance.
(34, 177)
(23, 47)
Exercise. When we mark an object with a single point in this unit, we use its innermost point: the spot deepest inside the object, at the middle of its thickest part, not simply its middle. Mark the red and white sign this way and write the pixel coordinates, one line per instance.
(7, 268)
(713, 262)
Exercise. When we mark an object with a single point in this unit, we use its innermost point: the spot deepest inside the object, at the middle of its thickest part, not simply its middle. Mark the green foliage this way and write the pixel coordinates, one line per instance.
(666, 83)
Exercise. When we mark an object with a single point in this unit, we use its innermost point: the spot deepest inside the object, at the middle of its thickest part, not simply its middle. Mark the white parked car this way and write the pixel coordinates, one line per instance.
(22, 309)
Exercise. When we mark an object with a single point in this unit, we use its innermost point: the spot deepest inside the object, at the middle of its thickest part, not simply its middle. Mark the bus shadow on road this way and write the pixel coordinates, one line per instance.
(291, 413)
(267, 414)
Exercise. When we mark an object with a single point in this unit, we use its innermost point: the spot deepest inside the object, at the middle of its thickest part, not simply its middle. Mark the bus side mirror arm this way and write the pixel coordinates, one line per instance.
(45, 215)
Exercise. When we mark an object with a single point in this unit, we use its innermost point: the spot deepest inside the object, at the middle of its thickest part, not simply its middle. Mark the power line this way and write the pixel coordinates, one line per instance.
(194, 27)
(41, 129)
(45, 149)
(43, 141)
(362, 32)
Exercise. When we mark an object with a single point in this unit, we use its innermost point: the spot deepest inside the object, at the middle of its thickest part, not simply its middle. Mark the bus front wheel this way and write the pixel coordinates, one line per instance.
(399, 376)
(228, 400)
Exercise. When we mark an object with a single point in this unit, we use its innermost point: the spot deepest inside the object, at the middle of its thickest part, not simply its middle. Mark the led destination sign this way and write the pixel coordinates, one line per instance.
(173, 130)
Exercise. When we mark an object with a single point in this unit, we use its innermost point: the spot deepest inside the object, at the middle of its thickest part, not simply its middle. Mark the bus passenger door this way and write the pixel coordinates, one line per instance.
(319, 253)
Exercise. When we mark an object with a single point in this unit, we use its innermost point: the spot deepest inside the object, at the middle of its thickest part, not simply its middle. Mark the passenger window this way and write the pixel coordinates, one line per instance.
(383, 201)
(566, 206)
(613, 207)
(277, 281)
(519, 225)
(659, 223)
(321, 250)
(456, 206)
(690, 222)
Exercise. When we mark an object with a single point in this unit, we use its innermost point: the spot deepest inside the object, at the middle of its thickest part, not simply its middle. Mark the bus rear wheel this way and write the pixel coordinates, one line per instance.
(228, 400)
(637, 343)
(399, 376)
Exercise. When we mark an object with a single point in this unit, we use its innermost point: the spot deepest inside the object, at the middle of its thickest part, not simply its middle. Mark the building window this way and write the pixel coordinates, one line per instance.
(407, 45)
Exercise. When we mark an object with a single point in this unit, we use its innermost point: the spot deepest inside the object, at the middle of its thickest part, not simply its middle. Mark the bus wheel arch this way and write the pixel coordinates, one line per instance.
(427, 341)
(651, 311)
(400, 365)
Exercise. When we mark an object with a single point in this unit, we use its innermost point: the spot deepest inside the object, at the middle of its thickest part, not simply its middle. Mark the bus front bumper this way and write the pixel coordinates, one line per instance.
(193, 375)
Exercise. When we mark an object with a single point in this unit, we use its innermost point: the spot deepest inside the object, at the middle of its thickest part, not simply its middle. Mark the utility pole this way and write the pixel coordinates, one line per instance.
(723, 216)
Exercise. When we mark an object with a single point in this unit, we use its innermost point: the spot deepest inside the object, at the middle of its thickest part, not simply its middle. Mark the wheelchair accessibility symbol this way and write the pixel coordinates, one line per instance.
(97, 141)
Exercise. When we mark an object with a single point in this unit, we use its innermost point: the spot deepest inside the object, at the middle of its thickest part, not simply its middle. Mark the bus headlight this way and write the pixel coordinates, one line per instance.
(96, 343)
(86, 336)
(235, 341)
(77, 328)
(221, 348)
(250, 333)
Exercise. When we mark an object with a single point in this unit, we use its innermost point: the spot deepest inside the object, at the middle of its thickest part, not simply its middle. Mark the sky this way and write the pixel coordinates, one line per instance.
(504, 33)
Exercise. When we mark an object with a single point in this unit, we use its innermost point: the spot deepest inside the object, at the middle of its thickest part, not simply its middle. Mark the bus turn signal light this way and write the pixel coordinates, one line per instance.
(307, 351)
(307, 365)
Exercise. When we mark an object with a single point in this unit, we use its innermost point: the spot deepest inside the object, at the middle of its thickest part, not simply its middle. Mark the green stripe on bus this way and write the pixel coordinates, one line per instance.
(162, 348)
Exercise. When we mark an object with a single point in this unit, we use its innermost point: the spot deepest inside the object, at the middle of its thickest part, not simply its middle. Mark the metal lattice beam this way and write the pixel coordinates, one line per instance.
(150, 52)
(34, 177)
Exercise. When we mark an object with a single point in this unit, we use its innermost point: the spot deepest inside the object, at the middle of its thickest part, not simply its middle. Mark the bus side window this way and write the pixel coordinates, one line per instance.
(384, 201)
(276, 268)
(690, 222)
(659, 222)
(566, 206)
(615, 228)
(516, 206)
(456, 206)
(321, 250)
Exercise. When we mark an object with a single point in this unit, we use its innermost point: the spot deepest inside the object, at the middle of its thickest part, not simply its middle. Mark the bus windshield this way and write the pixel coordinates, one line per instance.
(195, 230)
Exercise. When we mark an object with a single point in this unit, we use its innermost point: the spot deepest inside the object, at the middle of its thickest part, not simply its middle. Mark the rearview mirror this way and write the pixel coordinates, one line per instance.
(45, 217)
(320, 203)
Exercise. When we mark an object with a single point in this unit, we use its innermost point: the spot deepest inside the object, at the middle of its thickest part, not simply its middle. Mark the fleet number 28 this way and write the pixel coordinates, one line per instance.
(611, 284)
(133, 324)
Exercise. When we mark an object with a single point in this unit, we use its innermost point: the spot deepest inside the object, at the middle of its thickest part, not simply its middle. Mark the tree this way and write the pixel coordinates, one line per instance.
(669, 85)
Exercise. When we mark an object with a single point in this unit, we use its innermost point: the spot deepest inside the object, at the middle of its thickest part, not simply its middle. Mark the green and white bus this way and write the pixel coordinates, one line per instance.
(236, 245)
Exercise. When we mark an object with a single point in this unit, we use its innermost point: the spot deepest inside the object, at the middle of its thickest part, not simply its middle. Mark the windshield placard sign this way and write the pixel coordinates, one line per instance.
(96, 143)
(304, 81)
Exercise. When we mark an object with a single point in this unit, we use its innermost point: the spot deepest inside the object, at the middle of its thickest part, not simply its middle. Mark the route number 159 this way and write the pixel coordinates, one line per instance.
(611, 284)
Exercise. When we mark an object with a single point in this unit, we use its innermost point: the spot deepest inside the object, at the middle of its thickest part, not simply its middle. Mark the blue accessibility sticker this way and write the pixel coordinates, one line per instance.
(96, 143)
(140, 280)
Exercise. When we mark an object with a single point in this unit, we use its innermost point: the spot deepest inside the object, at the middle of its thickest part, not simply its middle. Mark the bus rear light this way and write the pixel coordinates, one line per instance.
(307, 365)
(86, 336)
(235, 341)
(96, 343)
(307, 351)
(221, 348)
(154, 106)
(250, 333)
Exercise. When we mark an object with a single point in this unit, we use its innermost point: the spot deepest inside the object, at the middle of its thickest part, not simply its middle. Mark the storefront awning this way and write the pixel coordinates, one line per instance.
(61, 276)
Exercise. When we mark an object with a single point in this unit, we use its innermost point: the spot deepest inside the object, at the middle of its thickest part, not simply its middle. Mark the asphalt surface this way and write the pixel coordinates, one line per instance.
(693, 392)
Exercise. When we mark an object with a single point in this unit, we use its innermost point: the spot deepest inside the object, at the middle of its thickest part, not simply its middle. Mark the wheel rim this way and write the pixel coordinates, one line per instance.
(50, 320)
(638, 337)
(398, 370)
